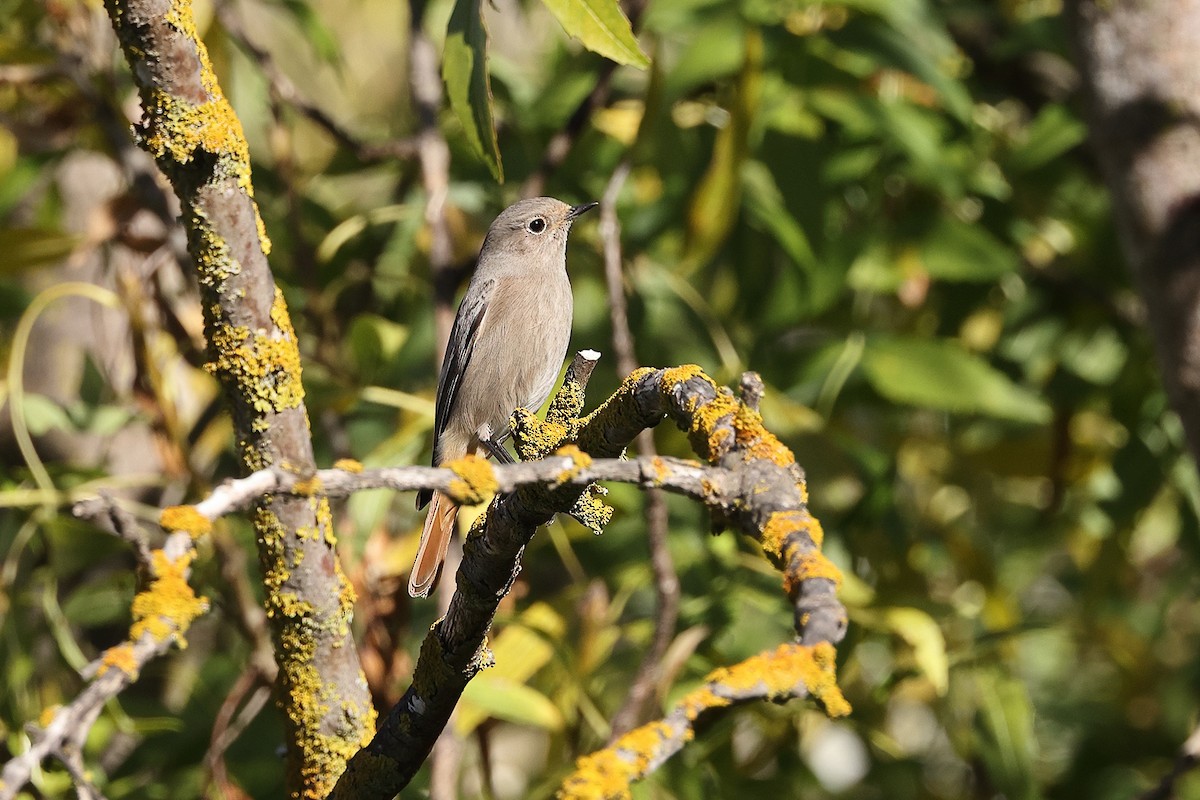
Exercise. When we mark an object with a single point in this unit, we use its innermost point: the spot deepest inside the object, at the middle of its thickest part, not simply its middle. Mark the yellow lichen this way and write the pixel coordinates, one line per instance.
(535, 438)
(167, 607)
(476, 481)
(591, 511)
(119, 657)
(579, 462)
(185, 519)
(348, 465)
(264, 366)
(308, 486)
(47, 716)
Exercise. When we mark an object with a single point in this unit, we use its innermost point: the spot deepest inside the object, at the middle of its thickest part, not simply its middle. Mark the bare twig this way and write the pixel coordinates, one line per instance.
(434, 156)
(230, 722)
(666, 582)
(463, 479)
(284, 91)
(107, 514)
(1185, 762)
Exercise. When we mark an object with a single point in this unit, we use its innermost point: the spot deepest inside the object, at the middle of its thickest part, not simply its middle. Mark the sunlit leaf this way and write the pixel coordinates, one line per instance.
(503, 698)
(940, 375)
(521, 649)
(714, 206)
(464, 69)
(923, 634)
(602, 27)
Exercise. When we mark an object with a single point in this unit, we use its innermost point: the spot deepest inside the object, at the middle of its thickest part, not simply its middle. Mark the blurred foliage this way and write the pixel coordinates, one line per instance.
(885, 208)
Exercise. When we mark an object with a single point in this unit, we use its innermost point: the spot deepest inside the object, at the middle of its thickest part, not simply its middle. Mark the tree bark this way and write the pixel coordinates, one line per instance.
(1139, 64)
(196, 139)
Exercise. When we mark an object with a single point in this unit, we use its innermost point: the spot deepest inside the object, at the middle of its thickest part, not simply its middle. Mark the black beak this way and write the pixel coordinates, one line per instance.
(578, 210)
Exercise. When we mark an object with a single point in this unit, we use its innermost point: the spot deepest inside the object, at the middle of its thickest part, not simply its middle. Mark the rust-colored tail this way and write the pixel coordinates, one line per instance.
(435, 538)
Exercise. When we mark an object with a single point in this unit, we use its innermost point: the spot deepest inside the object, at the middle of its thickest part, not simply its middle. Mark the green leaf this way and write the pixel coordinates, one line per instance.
(1006, 738)
(957, 251)
(923, 634)
(464, 69)
(43, 415)
(941, 375)
(602, 27)
(1051, 134)
(714, 206)
(27, 248)
(504, 698)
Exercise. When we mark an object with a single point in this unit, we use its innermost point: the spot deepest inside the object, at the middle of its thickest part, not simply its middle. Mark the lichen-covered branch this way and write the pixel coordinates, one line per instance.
(162, 613)
(789, 671)
(760, 491)
(196, 139)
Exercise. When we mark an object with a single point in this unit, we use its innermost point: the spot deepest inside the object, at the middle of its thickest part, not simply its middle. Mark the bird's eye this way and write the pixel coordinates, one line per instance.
(536, 225)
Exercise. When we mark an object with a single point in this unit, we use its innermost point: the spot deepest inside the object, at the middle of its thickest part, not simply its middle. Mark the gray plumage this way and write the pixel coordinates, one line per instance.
(506, 348)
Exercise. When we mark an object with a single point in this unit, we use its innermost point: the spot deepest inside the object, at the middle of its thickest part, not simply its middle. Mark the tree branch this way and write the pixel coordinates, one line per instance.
(752, 484)
(196, 139)
(790, 671)
(162, 613)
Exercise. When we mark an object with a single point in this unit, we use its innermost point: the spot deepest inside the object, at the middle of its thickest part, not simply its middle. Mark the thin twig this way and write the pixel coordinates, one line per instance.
(666, 581)
(228, 727)
(1185, 762)
(285, 91)
(433, 154)
(108, 676)
(107, 514)
(561, 143)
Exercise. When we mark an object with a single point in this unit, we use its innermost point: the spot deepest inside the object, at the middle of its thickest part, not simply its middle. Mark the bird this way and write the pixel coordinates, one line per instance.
(506, 348)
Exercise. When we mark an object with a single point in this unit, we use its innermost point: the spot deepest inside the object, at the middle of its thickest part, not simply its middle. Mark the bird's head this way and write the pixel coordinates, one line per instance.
(533, 228)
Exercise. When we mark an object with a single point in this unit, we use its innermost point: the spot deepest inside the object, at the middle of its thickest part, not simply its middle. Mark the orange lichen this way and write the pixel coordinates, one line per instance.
(780, 525)
(119, 657)
(476, 481)
(661, 470)
(185, 519)
(348, 465)
(167, 607)
(811, 565)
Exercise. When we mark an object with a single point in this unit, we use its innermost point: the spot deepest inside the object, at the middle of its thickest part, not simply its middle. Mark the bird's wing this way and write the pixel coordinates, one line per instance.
(459, 350)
